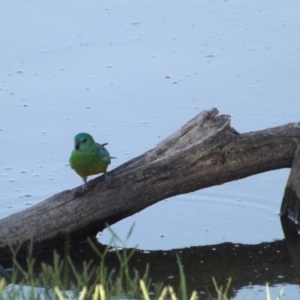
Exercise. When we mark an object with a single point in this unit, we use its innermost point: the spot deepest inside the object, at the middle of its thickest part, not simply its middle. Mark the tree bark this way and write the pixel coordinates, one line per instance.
(291, 200)
(206, 151)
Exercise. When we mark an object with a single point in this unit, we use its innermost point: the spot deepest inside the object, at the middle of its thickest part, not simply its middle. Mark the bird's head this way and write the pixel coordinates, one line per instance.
(84, 141)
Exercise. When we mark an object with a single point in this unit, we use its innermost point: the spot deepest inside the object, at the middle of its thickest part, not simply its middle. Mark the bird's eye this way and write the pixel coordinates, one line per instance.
(84, 140)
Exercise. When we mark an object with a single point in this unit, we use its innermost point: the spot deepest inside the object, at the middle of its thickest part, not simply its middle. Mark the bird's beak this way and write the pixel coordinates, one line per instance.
(77, 144)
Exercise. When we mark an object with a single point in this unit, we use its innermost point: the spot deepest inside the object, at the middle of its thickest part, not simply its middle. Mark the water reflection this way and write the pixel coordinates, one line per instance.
(275, 262)
(292, 238)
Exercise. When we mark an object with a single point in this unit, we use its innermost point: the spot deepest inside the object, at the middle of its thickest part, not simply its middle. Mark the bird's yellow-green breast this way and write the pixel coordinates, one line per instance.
(88, 157)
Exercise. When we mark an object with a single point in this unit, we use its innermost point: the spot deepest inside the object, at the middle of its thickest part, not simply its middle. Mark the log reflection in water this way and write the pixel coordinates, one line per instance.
(245, 264)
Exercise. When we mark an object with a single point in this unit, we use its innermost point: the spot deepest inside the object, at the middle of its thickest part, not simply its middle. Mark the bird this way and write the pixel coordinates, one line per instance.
(89, 158)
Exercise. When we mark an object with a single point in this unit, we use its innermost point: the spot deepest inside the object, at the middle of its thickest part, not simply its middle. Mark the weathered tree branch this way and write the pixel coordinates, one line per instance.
(204, 152)
(290, 206)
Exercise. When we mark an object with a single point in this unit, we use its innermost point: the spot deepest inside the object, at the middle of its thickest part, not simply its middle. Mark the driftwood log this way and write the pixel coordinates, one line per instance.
(290, 206)
(206, 151)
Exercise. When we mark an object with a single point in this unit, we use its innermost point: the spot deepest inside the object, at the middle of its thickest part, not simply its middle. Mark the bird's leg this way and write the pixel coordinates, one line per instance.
(84, 186)
(107, 179)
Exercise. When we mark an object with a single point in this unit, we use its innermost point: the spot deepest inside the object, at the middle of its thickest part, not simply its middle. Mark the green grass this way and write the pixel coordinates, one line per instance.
(63, 280)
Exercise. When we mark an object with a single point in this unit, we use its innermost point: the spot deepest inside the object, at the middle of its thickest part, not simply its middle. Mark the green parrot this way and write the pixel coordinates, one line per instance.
(89, 158)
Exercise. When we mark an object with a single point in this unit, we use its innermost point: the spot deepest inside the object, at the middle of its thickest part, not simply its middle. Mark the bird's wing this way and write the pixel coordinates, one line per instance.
(103, 153)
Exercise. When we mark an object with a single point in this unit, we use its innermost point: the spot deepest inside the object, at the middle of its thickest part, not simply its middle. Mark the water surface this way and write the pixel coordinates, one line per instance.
(131, 73)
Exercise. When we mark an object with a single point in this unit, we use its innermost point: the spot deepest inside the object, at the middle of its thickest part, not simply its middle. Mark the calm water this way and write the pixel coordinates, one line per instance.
(131, 73)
